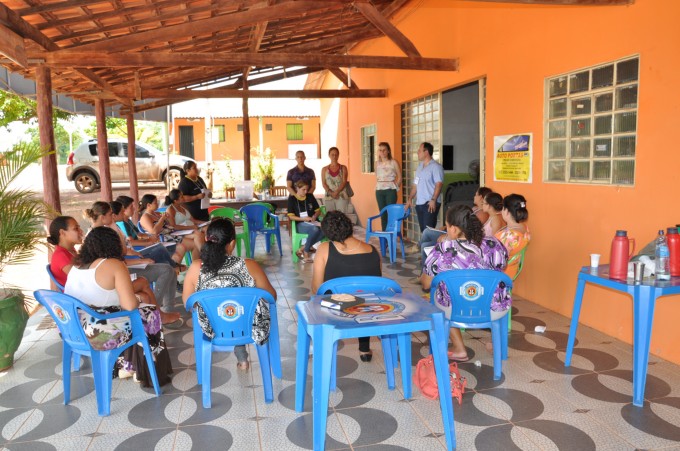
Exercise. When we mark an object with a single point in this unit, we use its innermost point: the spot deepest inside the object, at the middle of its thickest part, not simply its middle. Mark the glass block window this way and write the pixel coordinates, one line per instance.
(268, 127)
(368, 148)
(293, 132)
(420, 122)
(591, 125)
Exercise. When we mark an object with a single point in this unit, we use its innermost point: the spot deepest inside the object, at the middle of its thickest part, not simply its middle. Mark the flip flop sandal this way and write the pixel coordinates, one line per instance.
(300, 255)
(175, 324)
(457, 359)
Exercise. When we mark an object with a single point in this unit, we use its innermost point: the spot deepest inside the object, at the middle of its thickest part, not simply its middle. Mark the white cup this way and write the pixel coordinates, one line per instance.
(594, 260)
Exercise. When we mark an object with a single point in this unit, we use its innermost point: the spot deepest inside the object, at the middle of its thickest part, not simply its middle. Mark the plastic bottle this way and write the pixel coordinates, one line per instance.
(619, 256)
(673, 239)
(662, 254)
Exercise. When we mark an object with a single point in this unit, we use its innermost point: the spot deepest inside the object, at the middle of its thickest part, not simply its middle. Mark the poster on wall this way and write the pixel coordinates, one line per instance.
(512, 158)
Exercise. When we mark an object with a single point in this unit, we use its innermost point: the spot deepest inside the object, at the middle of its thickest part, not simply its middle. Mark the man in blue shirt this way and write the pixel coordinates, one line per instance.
(427, 188)
(300, 172)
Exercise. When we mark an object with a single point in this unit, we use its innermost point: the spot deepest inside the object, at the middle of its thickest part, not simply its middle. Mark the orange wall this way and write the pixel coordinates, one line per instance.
(232, 147)
(516, 47)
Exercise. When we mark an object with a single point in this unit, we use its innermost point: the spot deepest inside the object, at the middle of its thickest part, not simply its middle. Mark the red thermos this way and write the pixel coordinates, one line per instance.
(673, 239)
(620, 254)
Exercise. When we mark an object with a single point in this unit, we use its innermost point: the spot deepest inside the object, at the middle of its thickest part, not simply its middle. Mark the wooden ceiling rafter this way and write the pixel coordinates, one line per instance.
(262, 94)
(343, 77)
(383, 24)
(27, 31)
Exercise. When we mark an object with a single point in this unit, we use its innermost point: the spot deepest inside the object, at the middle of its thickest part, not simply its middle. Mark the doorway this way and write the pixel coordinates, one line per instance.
(453, 121)
(186, 140)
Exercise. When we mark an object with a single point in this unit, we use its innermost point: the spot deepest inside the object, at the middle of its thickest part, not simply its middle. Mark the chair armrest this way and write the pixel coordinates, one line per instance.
(275, 218)
(132, 314)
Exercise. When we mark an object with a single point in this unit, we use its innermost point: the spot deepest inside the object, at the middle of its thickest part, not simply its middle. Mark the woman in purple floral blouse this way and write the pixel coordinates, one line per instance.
(466, 247)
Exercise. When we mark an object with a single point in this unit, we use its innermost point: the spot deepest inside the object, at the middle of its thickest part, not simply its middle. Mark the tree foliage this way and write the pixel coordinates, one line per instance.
(16, 108)
(146, 131)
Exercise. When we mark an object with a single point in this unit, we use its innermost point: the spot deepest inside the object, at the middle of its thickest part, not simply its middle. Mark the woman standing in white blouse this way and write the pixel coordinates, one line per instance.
(388, 174)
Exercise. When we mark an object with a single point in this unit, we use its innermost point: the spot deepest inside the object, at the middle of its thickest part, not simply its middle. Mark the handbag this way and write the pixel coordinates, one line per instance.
(348, 190)
(426, 380)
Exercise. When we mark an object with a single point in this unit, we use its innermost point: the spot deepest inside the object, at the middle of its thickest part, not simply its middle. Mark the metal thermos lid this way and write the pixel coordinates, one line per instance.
(621, 233)
(672, 231)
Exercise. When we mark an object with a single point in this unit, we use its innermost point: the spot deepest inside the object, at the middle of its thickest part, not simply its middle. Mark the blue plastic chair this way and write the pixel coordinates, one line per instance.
(471, 292)
(261, 221)
(64, 310)
(230, 312)
(396, 214)
(356, 285)
(54, 280)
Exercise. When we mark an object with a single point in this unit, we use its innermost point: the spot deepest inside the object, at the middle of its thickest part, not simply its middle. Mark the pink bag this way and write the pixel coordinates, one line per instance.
(426, 379)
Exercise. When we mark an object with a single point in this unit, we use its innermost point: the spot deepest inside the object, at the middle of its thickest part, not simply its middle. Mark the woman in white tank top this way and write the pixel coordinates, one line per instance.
(100, 279)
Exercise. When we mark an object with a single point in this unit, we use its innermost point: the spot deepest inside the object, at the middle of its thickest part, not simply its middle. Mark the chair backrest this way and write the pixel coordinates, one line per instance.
(518, 256)
(230, 312)
(121, 226)
(64, 310)
(226, 212)
(471, 292)
(395, 216)
(257, 215)
(355, 284)
(54, 279)
(278, 191)
(231, 193)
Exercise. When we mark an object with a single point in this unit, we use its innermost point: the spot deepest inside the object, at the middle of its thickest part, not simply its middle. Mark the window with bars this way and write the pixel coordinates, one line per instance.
(368, 146)
(591, 126)
(268, 127)
(420, 122)
(293, 132)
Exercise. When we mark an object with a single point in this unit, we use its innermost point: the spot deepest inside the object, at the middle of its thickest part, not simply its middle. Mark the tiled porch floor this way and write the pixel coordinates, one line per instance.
(539, 404)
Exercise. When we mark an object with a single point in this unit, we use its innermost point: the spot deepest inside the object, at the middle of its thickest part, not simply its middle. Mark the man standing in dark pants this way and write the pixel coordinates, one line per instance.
(427, 188)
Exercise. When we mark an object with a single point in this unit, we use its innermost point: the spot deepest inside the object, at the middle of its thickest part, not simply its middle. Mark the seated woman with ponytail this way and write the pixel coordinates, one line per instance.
(219, 269)
(465, 247)
(515, 235)
(179, 218)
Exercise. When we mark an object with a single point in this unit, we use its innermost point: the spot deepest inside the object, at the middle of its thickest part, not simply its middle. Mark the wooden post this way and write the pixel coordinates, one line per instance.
(103, 151)
(246, 135)
(46, 129)
(132, 162)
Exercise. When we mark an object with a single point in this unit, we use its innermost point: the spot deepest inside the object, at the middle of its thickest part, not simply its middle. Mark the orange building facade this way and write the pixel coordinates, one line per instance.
(226, 136)
(515, 49)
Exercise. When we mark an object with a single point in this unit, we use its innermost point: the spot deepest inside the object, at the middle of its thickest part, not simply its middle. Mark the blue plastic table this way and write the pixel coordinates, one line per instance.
(644, 297)
(401, 314)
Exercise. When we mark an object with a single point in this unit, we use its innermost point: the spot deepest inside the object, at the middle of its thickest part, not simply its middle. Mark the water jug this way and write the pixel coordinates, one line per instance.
(673, 239)
(620, 254)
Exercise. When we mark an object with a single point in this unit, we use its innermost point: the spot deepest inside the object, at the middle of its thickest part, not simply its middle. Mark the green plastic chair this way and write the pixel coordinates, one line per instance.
(297, 238)
(518, 256)
(235, 216)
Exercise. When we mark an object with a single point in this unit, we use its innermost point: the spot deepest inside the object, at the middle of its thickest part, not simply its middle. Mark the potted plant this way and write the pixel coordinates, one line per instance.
(264, 170)
(20, 231)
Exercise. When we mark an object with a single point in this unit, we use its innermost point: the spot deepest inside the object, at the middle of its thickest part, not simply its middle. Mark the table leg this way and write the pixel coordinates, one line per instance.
(438, 339)
(576, 311)
(301, 363)
(644, 300)
(386, 341)
(321, 374)
(405, 358)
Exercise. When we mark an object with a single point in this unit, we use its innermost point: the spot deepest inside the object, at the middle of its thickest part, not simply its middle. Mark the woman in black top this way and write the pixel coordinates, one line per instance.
(344, 256)
(192, 186)
(304, 210)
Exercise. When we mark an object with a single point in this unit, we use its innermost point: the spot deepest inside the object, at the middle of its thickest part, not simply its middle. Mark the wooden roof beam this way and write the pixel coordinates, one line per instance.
(343, 77)
(75, 58)
(263, 94)
(12, 46)
(381, 23)
(254, 15)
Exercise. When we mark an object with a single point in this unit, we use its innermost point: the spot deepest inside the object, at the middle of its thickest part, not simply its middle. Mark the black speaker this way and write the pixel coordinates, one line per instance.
(447, 157)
